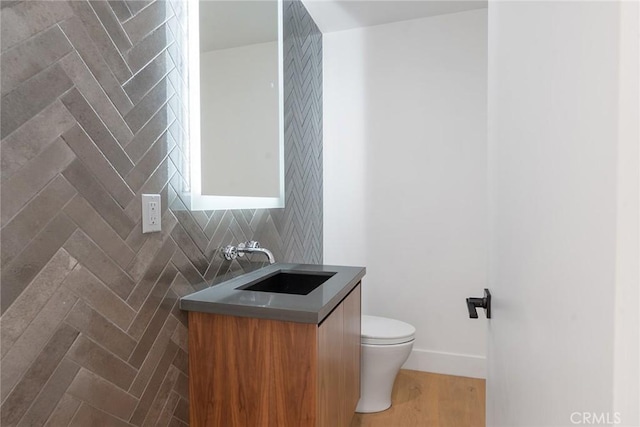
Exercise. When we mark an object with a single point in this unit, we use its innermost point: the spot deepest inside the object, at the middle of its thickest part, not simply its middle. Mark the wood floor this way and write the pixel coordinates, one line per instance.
(422, 399)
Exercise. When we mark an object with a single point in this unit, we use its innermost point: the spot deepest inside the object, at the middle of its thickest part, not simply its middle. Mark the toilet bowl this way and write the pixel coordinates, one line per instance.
(386, 345)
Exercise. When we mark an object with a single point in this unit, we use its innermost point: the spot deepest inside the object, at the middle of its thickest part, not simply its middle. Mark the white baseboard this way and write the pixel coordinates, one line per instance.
(462, 365)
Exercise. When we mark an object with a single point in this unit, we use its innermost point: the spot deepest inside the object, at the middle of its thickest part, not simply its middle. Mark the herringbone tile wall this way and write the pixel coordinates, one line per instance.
(93, 107)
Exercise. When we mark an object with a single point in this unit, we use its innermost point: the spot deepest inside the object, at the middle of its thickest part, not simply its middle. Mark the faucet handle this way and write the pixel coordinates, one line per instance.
(229, 252)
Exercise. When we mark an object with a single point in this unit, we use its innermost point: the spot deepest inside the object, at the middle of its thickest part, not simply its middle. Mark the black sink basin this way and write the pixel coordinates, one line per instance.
(289, 282)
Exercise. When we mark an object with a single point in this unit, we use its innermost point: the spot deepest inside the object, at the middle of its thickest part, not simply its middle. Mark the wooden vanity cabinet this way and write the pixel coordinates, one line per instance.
(258, 372)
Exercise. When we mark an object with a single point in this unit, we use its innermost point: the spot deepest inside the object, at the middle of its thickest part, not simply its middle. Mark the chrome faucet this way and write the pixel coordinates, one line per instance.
(231, 252)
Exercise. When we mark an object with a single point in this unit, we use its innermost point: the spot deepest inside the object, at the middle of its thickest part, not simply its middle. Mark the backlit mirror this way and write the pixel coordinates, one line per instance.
(236, 104)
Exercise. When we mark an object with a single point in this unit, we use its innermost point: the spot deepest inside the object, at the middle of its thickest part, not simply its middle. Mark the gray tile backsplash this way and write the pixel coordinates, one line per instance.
(93, 115)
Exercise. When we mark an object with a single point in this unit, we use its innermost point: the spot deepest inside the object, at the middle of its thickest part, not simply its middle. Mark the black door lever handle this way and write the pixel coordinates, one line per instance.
(474, 303)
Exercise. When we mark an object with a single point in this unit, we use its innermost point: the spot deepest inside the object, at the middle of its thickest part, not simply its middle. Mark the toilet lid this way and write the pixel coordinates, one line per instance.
(383, 331)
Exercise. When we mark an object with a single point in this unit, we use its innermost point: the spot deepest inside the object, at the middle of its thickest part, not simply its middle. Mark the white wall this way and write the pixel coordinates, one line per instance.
(405, 177)
(626, 393)
(239, 121)
(563, 141)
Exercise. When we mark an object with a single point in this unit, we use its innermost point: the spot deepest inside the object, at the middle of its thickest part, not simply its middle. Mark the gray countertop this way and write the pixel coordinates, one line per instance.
(227, 298)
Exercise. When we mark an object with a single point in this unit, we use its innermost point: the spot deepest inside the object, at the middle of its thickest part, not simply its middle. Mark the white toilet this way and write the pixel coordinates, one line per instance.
(386, 344)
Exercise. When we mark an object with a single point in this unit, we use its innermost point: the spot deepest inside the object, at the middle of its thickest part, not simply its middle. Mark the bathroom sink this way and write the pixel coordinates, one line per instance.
(289, 282)
(304, 293)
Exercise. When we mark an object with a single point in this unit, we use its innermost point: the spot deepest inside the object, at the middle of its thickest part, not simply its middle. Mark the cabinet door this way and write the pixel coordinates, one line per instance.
(352, 352)
(330, 370)
(248, 372)
(339, 363)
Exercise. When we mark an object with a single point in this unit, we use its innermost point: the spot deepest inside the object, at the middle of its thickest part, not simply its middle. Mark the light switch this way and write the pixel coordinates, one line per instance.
(151, 213)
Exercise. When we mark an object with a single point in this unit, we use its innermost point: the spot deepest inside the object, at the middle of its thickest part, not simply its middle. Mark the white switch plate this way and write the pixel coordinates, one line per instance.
(151, 213)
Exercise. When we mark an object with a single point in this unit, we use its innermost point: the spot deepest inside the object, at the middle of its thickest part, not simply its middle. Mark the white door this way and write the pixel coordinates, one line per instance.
(563, 161)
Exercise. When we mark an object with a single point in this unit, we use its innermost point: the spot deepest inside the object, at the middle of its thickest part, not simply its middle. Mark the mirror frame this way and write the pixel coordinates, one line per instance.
(199, 201)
